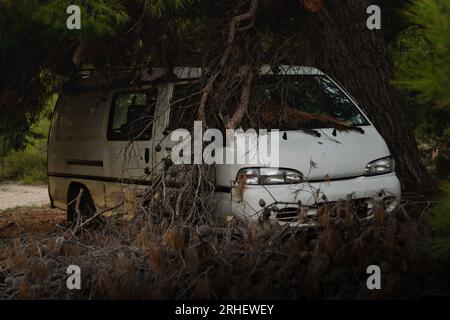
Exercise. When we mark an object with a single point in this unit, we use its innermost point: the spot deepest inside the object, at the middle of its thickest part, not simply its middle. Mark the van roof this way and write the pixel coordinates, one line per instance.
(194, 73)
(91, 80)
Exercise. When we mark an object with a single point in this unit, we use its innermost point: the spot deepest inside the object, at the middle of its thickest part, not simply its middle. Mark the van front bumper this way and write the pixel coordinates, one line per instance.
(296, 203)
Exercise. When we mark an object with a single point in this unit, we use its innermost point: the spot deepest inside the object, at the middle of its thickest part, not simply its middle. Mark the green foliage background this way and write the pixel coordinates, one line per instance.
(29, 164)
(424, 67)
(422, 58)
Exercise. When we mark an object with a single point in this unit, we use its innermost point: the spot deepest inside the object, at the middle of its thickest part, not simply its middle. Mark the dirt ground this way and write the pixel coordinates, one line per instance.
(14, 195)
(26, 209)
(17, 221)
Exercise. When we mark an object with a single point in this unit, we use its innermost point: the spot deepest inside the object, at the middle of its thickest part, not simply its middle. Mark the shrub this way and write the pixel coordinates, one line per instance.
(440, 221)
(28, 166)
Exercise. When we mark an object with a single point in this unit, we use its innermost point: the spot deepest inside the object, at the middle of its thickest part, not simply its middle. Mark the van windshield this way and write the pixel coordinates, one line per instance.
(303, 101)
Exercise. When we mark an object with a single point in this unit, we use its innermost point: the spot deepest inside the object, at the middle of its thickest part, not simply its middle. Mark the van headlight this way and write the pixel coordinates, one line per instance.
(380, 166)
(261, 176)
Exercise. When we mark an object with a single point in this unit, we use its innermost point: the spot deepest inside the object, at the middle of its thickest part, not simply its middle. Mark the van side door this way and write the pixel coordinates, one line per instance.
(130, 139)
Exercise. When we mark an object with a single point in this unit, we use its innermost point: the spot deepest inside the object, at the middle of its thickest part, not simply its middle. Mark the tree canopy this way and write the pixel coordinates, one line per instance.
(38, 54)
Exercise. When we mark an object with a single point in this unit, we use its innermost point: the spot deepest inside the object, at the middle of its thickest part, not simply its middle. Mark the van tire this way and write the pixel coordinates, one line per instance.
(86, 204)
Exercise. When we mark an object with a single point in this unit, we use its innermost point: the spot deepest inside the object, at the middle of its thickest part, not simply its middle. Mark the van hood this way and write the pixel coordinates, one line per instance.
(327, 157)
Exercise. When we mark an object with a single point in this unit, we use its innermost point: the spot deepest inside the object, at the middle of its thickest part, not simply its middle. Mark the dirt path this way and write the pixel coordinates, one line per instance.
(13, 195)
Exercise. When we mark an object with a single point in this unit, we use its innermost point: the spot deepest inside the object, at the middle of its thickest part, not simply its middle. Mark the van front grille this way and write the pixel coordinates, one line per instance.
(287, 214)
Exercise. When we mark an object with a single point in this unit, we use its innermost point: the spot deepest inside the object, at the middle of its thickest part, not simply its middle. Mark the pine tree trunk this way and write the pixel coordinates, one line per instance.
(358, 58)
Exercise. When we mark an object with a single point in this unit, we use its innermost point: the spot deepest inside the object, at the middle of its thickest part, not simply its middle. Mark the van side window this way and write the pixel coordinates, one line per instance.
(131, 116)
(183, 105)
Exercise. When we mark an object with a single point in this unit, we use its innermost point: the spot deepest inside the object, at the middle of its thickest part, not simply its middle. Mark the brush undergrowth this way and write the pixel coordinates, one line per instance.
(139, 259)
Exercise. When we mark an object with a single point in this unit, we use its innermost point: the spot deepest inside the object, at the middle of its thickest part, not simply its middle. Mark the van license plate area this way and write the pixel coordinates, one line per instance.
(361, 208)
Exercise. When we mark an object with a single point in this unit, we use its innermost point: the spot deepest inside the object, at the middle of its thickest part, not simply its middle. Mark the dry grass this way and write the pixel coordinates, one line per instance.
(138, 259)
(18, 221)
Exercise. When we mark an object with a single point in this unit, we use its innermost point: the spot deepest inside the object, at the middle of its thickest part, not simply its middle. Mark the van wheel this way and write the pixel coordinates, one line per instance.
(86, 207)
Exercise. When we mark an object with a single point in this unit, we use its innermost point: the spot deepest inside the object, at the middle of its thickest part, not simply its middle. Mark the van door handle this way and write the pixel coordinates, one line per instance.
(147, 155)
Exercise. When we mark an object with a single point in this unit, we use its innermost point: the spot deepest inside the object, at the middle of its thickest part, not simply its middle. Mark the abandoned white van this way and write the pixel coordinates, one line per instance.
(113, 132)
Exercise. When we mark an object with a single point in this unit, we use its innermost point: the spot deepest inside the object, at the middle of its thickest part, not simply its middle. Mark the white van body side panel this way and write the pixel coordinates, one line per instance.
(76, 146)
(79, 151)
(59, 186)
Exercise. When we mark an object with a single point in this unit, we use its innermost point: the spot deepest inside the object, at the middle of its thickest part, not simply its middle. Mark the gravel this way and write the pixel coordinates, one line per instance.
(14, 195)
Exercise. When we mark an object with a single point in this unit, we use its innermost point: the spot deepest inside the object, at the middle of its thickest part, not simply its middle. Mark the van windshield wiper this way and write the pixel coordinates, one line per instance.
(357, 129)
(312, 132)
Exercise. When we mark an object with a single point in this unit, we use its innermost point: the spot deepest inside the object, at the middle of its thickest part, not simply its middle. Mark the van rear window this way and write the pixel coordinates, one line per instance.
(132, 115)
(81, 117)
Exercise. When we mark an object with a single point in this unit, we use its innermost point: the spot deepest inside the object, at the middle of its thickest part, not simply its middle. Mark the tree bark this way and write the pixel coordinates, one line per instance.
(358, 58)
(233, 29)
(243, 105)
